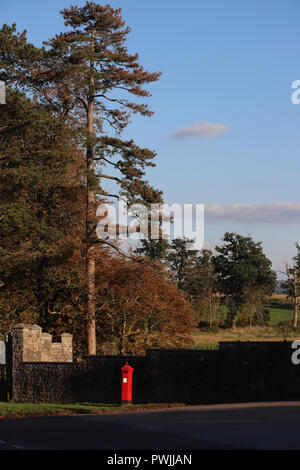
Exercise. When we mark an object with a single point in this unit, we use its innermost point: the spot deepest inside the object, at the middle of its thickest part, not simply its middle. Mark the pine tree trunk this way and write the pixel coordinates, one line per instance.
(90, 234)
(90, 306)
(90, 250)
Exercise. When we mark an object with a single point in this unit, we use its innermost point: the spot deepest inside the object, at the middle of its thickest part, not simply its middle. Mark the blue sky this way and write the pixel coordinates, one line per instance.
(230, 63)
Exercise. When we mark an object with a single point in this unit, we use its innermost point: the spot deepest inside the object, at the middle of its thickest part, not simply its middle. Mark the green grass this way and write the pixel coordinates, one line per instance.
(279, 315)
(280, 309)
(10, 409)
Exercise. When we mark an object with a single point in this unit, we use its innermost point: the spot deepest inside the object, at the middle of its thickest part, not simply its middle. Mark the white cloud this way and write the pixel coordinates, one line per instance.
(201, 129)
(204, 246)
(283, 212)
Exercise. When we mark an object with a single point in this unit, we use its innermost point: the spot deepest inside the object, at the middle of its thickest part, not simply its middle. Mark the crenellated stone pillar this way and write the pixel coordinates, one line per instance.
(27, 343)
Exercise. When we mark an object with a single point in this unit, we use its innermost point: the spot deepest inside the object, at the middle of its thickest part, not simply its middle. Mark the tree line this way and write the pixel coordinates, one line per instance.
(228, 287)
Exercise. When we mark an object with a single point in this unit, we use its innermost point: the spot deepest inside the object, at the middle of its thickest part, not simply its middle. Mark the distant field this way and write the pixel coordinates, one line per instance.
(279, 315)
(281, 312)
(280, 309)
(210, 339)
(280, 297)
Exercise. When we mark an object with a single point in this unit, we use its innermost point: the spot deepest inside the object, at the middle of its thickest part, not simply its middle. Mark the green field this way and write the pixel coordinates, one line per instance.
(278, 328)
(280, 308)
(279, 315)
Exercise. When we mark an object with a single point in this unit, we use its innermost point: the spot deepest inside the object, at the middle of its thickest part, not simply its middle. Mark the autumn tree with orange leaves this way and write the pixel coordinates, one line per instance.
(140, 307)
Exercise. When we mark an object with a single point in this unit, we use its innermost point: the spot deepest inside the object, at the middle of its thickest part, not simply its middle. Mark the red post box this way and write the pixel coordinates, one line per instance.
(127, 372)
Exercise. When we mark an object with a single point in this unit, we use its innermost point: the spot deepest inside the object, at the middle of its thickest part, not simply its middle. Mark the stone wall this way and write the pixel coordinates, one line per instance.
(31, 345)
(95, 380)
(27, 343)
(237, 372)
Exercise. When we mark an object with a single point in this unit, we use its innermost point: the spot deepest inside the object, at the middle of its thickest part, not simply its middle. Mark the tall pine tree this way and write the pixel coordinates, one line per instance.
(83, 74)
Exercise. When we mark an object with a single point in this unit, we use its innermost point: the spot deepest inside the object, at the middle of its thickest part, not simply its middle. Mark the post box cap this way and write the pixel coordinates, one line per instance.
(127, 368)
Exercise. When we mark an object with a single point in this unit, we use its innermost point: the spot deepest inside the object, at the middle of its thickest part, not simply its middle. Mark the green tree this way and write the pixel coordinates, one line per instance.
(154, 249)
(201, 285)
(245, 275)
(41, 208)
(181, 259)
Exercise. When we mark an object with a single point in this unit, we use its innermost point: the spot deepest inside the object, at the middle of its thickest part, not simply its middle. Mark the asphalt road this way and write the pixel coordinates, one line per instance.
(249, 426)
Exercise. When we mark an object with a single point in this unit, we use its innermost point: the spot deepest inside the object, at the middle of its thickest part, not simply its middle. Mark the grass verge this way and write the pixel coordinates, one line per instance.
(19, 410)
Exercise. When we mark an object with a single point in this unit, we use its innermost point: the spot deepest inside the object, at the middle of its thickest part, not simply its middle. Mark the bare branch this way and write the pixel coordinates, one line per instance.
(114, 178)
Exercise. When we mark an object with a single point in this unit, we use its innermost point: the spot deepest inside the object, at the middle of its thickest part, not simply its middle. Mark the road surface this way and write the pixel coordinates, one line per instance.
(248, 426)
